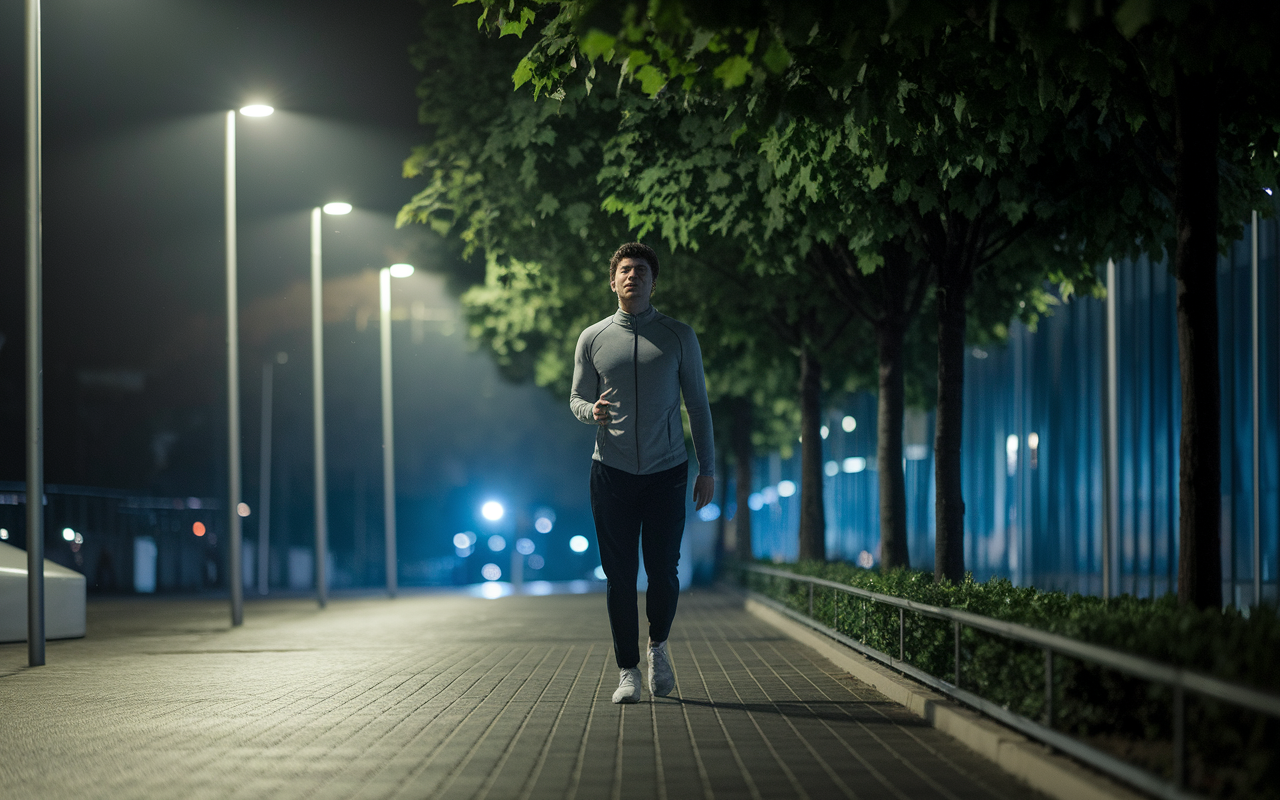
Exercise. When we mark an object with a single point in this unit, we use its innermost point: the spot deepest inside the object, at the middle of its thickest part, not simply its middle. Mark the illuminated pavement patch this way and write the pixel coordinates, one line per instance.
(451, 696)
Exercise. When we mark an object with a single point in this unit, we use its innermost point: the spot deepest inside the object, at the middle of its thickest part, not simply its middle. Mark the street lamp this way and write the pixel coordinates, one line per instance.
(388, 440)
(233, 371)
(35, 343)
(317, 398)
(264, 471)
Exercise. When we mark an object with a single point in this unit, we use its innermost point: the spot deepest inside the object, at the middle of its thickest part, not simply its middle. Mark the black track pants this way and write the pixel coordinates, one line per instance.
(634, 511)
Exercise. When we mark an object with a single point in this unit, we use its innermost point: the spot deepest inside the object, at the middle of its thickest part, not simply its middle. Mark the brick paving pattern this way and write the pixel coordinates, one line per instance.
(453, 697)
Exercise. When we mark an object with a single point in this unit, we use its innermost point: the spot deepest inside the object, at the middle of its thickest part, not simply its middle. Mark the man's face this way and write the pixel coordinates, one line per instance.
(632, 280)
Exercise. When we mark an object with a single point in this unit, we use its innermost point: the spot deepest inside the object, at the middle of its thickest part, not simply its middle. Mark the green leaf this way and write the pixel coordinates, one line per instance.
(869, 262)
(733, 71)
(1133, 16)
(876, 175)
(776, 58)
(651, 79)
(523, 73)
(596, 43)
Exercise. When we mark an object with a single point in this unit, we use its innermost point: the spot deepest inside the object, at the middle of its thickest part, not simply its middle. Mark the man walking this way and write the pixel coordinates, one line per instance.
(629, 371)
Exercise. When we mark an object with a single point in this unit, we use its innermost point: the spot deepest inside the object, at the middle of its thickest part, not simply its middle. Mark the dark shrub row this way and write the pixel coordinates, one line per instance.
(1231, 752)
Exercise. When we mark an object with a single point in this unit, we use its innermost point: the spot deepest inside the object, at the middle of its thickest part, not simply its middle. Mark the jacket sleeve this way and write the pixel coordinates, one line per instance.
(586, 382)
(693, 385)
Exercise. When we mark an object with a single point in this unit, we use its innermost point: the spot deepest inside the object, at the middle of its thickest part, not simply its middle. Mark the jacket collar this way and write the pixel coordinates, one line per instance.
(634, 321)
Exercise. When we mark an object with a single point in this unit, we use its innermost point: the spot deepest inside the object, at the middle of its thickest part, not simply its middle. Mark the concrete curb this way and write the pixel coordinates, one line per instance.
(1037, 765)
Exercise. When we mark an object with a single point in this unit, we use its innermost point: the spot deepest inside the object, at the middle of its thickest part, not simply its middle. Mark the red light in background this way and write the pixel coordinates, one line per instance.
(198, 529)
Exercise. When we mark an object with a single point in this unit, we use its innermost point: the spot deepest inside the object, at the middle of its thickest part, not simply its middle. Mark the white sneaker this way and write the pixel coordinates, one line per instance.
(628, 690)
(661, 677)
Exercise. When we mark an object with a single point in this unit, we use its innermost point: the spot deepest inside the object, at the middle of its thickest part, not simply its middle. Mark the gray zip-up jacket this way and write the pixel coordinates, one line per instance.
(649, 359)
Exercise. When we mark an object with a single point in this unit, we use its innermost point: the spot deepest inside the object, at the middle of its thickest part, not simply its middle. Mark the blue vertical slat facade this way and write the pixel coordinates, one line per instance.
(1033, 451)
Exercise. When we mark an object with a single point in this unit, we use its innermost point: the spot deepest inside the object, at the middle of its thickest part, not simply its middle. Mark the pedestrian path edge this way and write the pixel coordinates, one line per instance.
(1037, 765)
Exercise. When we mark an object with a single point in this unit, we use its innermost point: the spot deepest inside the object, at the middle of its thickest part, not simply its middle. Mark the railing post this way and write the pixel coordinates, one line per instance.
(956, 628)
(902, 634)
(1048, 688)
(811, 601)
(835, 603)
(1179, 738)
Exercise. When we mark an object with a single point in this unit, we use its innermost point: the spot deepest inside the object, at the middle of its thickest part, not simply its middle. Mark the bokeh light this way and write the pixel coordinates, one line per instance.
(337, 209)
(524, 546)
(848, 424)
(4, 534)
(542, 525)
(198, 529)
(497, 544)
(854, 464)
(579, 544)
(755, 501)
(831, 468)
(257, 110)
(786, 488)
(68, 534)
(537, 562)
(599, 573)
(709, 512)
(492, 511)
(242, 509)
(400, 270)
(491, 572)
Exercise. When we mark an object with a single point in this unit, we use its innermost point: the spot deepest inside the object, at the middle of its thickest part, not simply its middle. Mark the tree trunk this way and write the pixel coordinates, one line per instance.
(949, 503)
(813, 523)
(743, 457)
(722, 521)
(889, 411)
(1196, 267)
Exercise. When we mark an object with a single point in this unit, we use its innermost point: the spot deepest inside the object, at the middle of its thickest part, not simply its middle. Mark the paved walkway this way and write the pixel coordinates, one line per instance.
(452, 696)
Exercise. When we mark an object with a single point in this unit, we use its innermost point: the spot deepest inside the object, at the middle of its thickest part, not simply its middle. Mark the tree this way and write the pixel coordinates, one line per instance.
(513, 182)
(880, 90)
(1196, 87)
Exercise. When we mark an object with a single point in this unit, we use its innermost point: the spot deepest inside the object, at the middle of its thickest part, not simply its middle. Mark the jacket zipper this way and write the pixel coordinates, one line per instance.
(635, 364)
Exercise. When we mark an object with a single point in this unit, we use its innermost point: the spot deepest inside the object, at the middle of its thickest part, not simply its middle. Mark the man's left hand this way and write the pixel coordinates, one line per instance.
(704, 488)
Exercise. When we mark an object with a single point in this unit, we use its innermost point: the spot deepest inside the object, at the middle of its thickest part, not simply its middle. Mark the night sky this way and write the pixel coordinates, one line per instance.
(135, 92)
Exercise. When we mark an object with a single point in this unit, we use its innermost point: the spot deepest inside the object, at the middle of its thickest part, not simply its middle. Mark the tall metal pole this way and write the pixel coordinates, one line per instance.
(264, 478)
(384, 284)
(1111, 492)
(388, 428)
(35, 352)
(234, 569)
(1257, 484)
(317, 402)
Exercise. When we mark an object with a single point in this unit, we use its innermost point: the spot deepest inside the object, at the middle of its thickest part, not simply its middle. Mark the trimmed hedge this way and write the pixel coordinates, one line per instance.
(1230, 752)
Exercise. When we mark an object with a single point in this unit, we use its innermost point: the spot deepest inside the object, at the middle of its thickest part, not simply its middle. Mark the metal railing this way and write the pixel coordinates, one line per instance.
(1179, 680)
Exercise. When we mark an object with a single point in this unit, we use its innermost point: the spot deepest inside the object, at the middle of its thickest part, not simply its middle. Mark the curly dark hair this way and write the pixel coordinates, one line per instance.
(634, 250)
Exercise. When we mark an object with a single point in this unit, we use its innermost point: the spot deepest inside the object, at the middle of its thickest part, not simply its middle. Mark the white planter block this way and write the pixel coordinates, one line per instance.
(63, 598)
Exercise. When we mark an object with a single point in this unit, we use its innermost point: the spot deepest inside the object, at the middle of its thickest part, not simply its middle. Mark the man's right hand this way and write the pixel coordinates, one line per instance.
(601, 408)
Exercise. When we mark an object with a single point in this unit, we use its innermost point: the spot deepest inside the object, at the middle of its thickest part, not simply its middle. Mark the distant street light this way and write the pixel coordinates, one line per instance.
(235, 575)
(317, 398)
(264, 470)
(388, 425)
